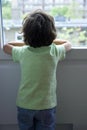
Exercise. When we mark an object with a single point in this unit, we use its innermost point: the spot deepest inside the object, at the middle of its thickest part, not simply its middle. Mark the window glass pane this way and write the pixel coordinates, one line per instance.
(70, 18)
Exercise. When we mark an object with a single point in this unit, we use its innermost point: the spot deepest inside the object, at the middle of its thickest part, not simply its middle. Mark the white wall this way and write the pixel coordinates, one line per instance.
(71, 90)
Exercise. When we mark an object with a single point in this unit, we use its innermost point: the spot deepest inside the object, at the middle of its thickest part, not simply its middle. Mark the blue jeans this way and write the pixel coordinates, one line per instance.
(36, 119)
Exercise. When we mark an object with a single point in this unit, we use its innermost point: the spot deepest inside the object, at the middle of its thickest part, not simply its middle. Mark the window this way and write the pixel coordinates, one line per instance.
(70, 18)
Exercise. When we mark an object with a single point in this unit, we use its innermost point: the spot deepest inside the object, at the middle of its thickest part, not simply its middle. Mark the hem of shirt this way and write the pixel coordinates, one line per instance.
(36, 108)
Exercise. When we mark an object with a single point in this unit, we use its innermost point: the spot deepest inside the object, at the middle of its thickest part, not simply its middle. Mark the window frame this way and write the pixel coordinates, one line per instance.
(1, 29)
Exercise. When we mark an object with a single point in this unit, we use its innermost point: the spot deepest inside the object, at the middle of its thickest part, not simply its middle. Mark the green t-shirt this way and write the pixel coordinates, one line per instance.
(37, 89)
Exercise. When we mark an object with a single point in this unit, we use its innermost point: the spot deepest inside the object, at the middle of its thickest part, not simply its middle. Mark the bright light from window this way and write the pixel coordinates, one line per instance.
(70, 18)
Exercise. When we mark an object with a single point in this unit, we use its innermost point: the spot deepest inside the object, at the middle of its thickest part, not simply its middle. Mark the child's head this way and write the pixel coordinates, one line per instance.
(38, 29)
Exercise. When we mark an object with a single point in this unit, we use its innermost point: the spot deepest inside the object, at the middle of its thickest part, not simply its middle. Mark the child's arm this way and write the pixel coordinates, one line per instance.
(7, 48)
(66, 43)
(59, 41)
(15, 43)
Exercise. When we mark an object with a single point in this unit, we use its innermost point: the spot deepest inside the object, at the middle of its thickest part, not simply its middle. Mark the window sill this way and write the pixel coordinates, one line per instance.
(77, 53)
(4, 56)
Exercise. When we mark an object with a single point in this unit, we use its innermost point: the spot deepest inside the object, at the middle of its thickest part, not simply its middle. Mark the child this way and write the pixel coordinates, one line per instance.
(38, 57)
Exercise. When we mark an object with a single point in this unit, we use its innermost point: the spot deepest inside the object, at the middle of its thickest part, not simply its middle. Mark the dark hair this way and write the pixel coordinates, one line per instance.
(38, 29)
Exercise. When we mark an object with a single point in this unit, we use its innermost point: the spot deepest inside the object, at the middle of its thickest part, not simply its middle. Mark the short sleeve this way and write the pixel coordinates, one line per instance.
(61, 52)
(16, 53)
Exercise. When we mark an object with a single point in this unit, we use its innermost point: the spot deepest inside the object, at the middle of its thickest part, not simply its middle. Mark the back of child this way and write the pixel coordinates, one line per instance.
(38, 58)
